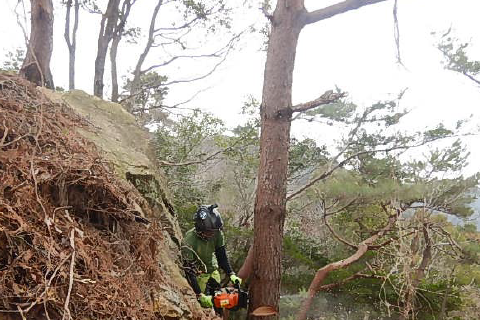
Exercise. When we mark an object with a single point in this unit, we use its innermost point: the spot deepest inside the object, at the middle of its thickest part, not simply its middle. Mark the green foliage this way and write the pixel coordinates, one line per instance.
(197, 7)
(304, 156)
(374, 171)
(436, 133)
(238, 240)
(213, 16)
(131, 35)
(456, 56)
(301, 250)
(88, 5)
(340, 112)
(14, 60)
(185, 212)
(204, 11)
(432, 294)
(186, 142)
(359, 196)
(151, 92)
(185, 138)
(468, 228)
(445, 161)
(466, 274)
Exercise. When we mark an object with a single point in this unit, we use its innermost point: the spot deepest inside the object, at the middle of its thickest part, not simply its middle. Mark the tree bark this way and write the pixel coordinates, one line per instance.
(71, 40)
(107, 27)
(36, 66)
(270, 203)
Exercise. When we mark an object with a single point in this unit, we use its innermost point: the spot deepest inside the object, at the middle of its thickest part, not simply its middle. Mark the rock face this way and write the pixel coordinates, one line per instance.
(88, 231)
(128, 148)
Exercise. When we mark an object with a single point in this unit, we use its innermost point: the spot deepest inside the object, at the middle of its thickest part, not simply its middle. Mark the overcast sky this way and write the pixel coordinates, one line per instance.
(354, 51)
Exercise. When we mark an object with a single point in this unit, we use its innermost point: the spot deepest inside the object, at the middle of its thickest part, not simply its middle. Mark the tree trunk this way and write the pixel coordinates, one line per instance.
(117, 37)
(270, 203)
(107, 27)
(113, 63)
(71, 41)
(36, 66)
(247, 266)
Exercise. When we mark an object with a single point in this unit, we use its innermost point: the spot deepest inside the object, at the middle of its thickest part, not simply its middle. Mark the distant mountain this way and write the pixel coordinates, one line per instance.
(476, 205)
(455, 220)
(474, 218)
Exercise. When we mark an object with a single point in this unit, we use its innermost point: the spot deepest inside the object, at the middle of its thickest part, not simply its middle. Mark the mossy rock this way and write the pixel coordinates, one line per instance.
(127, 146)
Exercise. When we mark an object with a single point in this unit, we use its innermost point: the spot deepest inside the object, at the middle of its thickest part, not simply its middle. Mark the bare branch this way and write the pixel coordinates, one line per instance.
(67, 314)
(268, 15)
(172, 37)
(333, 10)
(247, 267)
(469, 76)
(450, 239)
(331, 286)
(183, 26)
(336, 236)
(197, 19)
(386, 243)
(175, 106)
(148, 46)
(212, 55)
(396, 32)
(215, 67)
(227, 49)
(224, 50)
(326, 98)
(207, 158)
(321, 274)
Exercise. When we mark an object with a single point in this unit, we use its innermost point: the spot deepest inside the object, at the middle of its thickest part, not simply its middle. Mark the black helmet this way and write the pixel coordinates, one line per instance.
(207, 218)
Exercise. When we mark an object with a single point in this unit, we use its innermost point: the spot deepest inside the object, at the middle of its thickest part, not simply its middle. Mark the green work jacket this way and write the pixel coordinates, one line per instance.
(202, 252)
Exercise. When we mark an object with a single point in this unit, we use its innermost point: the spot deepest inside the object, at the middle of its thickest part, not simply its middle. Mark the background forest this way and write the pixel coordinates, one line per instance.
(381, 218)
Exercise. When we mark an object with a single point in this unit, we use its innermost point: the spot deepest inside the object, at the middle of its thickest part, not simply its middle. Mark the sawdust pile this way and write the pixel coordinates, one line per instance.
(72, 244)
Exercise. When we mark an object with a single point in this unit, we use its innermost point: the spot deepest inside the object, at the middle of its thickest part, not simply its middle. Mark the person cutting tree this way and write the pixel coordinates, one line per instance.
(203, 251)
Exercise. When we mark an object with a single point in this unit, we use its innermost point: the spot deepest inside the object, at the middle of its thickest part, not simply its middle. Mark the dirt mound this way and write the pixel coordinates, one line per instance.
(73, 241)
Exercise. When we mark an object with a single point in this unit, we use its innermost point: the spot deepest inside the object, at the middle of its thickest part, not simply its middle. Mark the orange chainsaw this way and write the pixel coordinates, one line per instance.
(230, 298)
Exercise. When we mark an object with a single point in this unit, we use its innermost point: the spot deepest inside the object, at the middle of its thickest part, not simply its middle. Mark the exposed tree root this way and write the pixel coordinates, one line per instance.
(69, 244)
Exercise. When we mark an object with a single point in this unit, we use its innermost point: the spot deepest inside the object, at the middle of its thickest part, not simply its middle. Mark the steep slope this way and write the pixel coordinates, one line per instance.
(86, 229)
